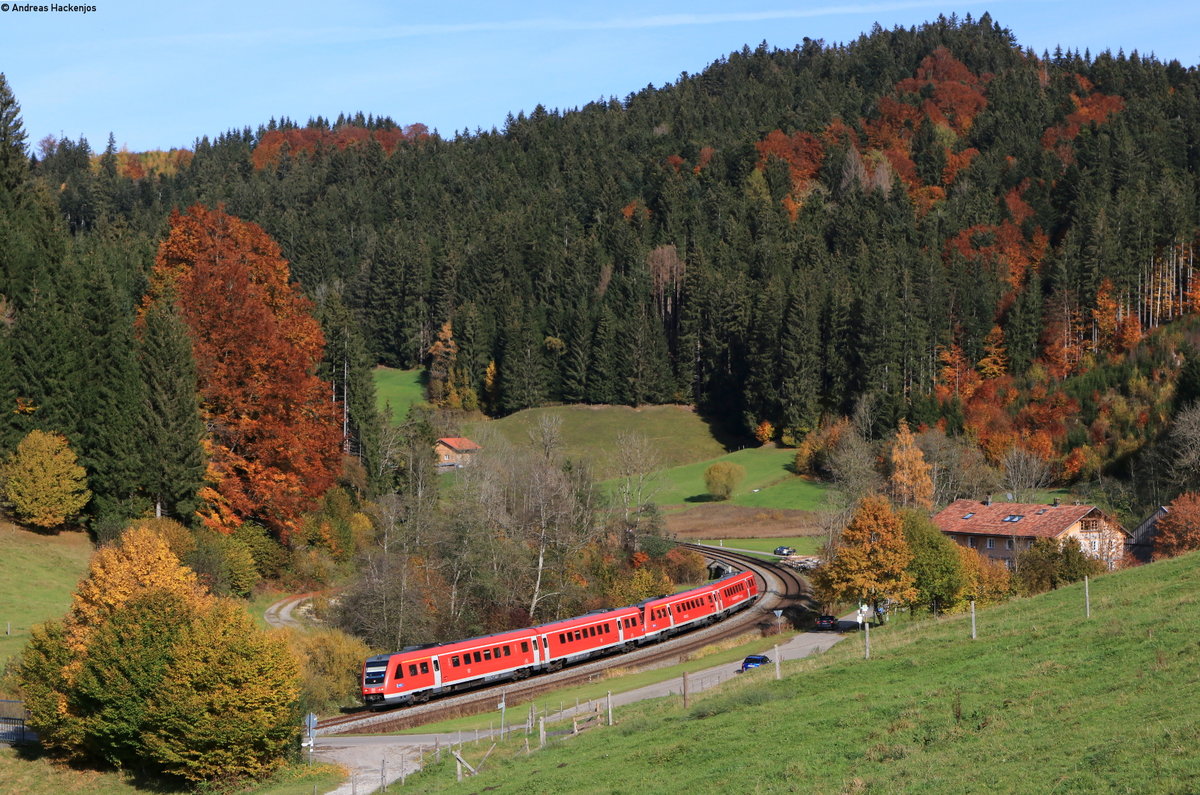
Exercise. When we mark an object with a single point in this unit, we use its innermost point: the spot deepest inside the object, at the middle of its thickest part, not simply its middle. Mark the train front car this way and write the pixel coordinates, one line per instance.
(374, 679)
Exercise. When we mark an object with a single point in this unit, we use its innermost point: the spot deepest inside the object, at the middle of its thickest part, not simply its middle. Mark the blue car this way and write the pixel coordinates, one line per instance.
(754, 661)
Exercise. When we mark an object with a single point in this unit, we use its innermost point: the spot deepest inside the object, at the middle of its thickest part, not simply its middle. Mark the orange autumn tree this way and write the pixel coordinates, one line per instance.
(275, 436)
(911, 483)
(869, 564)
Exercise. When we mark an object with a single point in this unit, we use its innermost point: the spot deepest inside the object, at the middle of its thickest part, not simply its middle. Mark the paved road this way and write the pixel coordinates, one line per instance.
(373, 759)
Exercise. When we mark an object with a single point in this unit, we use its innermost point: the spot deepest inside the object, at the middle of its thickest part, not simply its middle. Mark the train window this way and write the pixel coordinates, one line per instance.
(454, 661)
(579, 634)
(562, 637)
(507, 652)
(524, 647)
(424, 667)
(535, 643)
(436, 665)
(487, 654)
(478, 656)
(412, 670)
(399, 671)
(591, 631)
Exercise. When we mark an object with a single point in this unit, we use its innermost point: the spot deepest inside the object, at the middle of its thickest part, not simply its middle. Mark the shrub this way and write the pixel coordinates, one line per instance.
(330, 667)
(722, 478)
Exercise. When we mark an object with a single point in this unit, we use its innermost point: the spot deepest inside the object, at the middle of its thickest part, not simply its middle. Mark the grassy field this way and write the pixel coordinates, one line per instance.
(1043, 701)
(28, 772)
(768, 482)
(590, 433)
(804, 545)
(37, 575)
(399, 389)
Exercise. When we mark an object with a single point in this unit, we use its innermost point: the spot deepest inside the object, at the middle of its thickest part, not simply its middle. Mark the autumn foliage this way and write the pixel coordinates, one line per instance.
(43, 482)
(275, 143)
(275, 441)
(148, 670)
(870, 561)
(1179, 530)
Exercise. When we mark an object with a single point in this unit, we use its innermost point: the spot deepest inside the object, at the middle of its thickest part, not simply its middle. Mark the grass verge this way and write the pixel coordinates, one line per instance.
(27, 771)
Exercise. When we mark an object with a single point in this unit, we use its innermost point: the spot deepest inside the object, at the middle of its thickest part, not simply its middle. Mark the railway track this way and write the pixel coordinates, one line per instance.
(781, 588)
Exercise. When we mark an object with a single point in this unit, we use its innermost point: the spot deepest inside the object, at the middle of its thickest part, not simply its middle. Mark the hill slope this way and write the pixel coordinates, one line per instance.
(37, 575)
(1042, 701)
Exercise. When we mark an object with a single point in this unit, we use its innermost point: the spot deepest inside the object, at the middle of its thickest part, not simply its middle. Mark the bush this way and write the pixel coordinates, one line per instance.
(330, 667)
(224, 564)
(722, 478)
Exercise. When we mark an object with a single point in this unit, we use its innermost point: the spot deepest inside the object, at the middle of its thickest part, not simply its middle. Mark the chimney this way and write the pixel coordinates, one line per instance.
(987, 500)
(1056, 502)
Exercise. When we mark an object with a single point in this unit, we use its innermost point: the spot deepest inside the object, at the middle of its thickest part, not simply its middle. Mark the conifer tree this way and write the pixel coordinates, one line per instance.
(172, 429)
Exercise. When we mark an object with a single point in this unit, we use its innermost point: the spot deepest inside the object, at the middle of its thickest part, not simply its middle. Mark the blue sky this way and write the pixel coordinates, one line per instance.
(159, 75)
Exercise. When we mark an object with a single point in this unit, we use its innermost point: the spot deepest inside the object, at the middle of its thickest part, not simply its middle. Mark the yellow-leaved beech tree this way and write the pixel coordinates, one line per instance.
(869, 563)
(139, 626)
(43, 481)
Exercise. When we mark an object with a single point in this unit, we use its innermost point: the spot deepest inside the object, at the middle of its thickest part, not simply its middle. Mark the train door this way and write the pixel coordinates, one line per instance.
(545, 649)
(437, 672)
(418, 674)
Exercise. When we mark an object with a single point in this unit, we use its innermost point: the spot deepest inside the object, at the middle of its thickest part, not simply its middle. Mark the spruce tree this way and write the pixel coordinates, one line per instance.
(171, 425)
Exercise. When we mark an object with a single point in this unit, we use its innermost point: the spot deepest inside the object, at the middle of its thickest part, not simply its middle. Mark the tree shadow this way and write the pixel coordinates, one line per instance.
(725, 433)
(701, 498)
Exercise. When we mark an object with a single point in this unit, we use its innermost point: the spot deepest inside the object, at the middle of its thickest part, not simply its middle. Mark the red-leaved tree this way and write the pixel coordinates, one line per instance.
(274, 432)
(1179, 530)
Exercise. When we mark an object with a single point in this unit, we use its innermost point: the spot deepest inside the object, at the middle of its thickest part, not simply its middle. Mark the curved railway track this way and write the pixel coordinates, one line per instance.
(781, 588)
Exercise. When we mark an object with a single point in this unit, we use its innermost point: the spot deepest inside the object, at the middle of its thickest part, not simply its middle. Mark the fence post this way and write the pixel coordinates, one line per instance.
(383, 774)
(610, 721)
(867, 647)
(685, 690)
(972, 619)
(777, 674)
(1087, 598)
(541, 732)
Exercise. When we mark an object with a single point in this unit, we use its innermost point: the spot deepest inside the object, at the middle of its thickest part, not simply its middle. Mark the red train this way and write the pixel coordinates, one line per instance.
(417, 673)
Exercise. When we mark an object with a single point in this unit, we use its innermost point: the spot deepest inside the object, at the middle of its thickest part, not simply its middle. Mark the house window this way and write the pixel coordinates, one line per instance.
(968, 515)
(971, 542)
(991, 543)
(1014, 517)
(1008, 543)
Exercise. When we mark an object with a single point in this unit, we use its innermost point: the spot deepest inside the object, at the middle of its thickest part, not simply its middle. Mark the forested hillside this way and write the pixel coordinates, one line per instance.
(956, 229)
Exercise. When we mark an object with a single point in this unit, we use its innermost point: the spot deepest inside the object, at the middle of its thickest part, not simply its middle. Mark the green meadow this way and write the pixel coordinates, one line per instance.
(398, 389)
(590, 433)
(1044, 700)
(38, 574)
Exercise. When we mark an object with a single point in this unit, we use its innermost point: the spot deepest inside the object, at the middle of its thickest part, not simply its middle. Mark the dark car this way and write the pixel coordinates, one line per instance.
(754, 661)
(781, 551)
(827, 622)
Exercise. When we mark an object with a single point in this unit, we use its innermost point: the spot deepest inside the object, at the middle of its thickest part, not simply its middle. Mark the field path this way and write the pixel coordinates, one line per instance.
(282, 613)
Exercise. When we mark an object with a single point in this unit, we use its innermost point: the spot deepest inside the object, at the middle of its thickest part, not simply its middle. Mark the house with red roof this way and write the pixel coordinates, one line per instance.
(1002, 530)
(454, 451)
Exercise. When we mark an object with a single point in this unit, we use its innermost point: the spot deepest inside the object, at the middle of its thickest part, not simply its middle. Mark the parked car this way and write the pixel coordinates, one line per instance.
(781, 551)
(754, 661)
(827, 622)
